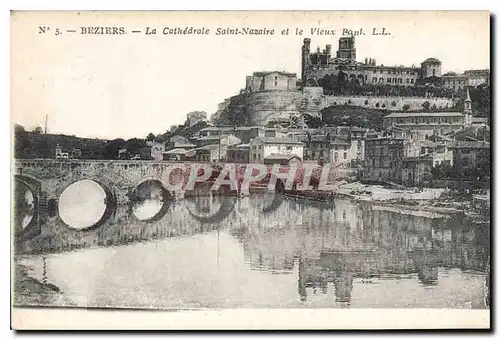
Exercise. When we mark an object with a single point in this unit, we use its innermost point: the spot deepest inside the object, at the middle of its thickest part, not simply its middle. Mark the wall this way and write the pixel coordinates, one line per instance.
(267, 105)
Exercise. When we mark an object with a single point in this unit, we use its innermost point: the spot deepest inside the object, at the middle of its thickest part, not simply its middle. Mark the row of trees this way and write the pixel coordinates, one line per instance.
(340, 85)
(33, 144)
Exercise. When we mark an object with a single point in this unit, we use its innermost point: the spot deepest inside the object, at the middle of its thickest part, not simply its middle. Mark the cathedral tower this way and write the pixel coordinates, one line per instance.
(347, 48)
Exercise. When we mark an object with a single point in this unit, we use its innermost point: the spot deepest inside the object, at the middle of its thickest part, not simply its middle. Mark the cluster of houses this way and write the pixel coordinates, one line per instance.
(411, 145)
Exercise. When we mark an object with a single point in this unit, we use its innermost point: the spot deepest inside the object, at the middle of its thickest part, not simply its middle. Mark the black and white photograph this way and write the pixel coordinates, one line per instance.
(212, 161)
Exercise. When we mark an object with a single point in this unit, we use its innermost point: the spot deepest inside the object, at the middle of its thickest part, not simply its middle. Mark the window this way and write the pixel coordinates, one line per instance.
(465, 151)
(289, 148)
(345, 155)
(407, 80)
(381, 71)
(433, 72)
(374, 79)
(411, 80)
(465, 162)
(275, 81)
(388, 80)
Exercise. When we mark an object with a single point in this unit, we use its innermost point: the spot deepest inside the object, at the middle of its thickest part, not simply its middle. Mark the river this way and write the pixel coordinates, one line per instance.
(259, 251)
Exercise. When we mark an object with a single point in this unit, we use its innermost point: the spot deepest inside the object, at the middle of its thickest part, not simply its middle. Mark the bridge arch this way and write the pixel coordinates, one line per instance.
(109, 201)
(145, 185)
(23, 210)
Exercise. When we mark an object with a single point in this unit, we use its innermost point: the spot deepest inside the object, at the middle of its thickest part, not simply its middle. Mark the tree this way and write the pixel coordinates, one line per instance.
(38, 130)
(18, 129)
(160, 138)
(406, 107)
(134, 145)
(426, 105)
(313, 122)
(150, 137)
(111, 148)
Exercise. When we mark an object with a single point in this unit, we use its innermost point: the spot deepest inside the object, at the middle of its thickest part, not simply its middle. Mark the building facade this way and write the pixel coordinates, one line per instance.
(263, 147)
(423, 125)
(271, 81)
(238, 153)
(317, 64)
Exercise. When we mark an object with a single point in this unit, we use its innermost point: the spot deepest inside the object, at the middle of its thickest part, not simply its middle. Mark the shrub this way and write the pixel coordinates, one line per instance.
(366, 102)
(393, 103)
(377, 105)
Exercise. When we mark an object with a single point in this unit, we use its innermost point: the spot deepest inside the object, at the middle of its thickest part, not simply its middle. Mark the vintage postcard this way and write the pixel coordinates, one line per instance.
(250, 170)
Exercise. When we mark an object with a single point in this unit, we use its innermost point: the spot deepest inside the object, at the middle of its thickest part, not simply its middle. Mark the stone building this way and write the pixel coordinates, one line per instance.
(244, 133)
(423, 125)
(238, 153)
(211, 153)
(271, 81)
(218, 139)
(455, 81)
(473, 78)
(382, 154)
(470, 157)
(317, 64)
(317, 147)
(431, 67)
(263, 147)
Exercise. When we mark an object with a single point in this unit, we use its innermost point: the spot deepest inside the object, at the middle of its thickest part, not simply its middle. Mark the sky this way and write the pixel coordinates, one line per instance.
(112, 86)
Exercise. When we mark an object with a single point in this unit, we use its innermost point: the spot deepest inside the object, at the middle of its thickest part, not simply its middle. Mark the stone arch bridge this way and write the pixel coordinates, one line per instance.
(47, 179)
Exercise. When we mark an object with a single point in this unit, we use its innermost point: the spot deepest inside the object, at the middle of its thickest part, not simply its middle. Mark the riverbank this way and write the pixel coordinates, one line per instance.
(29, 291)
(440, 201)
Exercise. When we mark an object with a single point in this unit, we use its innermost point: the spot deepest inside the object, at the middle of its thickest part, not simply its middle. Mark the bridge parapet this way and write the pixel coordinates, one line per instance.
(121, 177)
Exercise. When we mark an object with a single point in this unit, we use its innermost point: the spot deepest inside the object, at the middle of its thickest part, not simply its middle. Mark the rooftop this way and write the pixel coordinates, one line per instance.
(278, 140)
(177, 151)
(431, 60)
(265, 73)
(469, 145)
(208, 147)
(281, 156)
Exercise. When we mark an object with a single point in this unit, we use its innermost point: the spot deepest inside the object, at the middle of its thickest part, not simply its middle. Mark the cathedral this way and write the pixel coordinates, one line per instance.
(317, 64)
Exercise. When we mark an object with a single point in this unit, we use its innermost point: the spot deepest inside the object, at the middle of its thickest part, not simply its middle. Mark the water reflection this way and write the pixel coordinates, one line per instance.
(24, 206)
(341, 255)
(150, 201)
